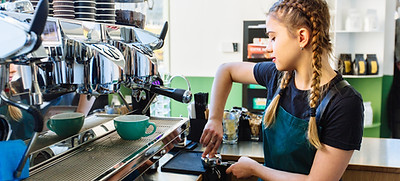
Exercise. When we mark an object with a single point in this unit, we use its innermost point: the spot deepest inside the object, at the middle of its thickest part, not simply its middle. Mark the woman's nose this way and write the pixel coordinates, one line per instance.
(268, 51)
(13, 70)
(269, 48)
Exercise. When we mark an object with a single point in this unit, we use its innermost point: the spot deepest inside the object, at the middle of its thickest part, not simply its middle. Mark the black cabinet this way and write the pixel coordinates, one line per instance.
(254, 96)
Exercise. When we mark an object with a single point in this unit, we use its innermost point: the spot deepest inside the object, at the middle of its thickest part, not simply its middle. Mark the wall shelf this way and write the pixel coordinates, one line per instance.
(374, 125)
(362, 76)
(345, 31)
(373, 88)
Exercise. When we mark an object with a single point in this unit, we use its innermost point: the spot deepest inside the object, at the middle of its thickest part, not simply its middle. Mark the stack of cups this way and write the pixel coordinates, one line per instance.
(85, 10)
(105, 11)
(63, 9)
(35, 2)
(51, 10)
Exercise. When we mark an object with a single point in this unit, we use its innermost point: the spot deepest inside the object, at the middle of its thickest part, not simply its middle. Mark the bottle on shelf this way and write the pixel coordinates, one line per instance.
(372, 64)
(359, 65)
(368, 114)
(354, 21)
(371, 22)
(345, 64)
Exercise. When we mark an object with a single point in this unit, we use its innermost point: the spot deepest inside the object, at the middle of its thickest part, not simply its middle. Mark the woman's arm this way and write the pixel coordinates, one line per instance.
(329, 164)
(228, 73)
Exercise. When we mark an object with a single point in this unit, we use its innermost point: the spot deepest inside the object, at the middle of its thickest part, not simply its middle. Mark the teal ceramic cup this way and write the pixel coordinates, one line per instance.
(133, 127)
(66, 124)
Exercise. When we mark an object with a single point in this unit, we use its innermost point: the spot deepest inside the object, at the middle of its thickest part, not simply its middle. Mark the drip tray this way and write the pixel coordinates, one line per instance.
(104, 155)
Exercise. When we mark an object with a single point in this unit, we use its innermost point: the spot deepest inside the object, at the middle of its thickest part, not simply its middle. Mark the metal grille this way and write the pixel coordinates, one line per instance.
(96, 158)
(49, 137)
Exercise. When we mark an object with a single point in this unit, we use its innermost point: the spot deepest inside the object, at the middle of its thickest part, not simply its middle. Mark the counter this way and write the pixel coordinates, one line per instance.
(378, 159)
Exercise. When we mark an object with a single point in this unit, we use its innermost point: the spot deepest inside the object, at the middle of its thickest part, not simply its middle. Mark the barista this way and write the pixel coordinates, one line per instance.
(21, 122)
(297, 146)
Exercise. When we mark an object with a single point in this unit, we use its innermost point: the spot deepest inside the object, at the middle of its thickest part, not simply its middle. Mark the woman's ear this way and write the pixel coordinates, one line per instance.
(304, 37)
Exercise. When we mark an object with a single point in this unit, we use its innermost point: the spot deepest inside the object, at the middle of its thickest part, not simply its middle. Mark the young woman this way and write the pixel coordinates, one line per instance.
(299, 143)
(21, 122)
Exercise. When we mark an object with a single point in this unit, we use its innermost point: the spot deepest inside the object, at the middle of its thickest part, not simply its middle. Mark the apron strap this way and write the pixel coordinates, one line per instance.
(278, 91)
(325, 101)
(331, 93)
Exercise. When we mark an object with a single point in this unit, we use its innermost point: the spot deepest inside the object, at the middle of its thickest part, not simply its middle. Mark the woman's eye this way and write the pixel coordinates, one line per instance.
(273, 39)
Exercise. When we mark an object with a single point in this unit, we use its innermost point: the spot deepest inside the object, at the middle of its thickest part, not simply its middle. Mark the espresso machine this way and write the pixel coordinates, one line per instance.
(25, 39)
(97, 59)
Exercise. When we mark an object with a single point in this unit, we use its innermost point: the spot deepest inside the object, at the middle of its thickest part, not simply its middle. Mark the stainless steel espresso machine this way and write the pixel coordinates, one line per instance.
(96, 59)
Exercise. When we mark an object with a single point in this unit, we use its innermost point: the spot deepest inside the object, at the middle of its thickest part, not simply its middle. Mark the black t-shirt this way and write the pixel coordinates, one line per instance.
(342, 122)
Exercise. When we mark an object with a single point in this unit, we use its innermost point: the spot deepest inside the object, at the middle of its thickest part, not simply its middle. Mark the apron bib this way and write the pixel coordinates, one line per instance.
(286, 146)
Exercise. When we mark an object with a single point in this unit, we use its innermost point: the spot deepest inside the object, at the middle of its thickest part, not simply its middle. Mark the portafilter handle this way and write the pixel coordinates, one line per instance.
(215, 161)
(181, 95)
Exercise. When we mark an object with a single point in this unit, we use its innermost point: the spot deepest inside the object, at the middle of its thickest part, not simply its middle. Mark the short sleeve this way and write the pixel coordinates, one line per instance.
(343, 125)
(265, 73)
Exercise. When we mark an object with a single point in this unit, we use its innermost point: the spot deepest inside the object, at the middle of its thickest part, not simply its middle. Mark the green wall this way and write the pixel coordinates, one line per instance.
(203, 84)
(386, 85)
(376, 91)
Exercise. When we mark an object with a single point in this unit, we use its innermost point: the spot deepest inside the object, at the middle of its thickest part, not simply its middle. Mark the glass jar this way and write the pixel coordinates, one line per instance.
(132, 12)
(354, 21)
(368, 114)
(371, 20)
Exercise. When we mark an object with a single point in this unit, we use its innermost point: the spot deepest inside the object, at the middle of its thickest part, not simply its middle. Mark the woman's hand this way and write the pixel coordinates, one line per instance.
(243, 168)
(211, 137)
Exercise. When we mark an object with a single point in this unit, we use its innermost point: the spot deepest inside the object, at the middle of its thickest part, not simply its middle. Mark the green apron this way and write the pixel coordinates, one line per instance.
(22, 129)
(286, 146)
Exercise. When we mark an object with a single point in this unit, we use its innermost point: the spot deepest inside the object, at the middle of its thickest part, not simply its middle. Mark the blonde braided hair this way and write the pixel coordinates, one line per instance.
(270, 113)
(314, 15)
(14, 112)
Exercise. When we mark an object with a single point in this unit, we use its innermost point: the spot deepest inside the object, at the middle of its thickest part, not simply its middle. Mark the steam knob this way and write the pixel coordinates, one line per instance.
(187, 96)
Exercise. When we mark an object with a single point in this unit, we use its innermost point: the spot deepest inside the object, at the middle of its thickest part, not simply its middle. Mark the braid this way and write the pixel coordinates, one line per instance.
(269, 116)
(313, 14)
(315, 83)
(14, 112)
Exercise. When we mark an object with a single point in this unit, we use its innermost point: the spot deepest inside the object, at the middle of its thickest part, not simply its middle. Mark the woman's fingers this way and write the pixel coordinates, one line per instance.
(229, 170)
(206, 137)
(207, 150)
(203, 135)
(211, 137)
(215, 147)
(212, 148)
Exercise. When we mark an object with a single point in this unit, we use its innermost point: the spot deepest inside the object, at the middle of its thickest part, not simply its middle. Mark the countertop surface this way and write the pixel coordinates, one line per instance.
(381, 152)
(375, 152)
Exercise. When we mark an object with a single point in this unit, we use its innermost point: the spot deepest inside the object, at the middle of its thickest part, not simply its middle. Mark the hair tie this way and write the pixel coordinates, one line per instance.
(313, 112)
(281, 92)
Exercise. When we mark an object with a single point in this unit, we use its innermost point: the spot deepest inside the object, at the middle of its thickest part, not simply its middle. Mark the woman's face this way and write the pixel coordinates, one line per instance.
(283, 47)
(13, 70)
